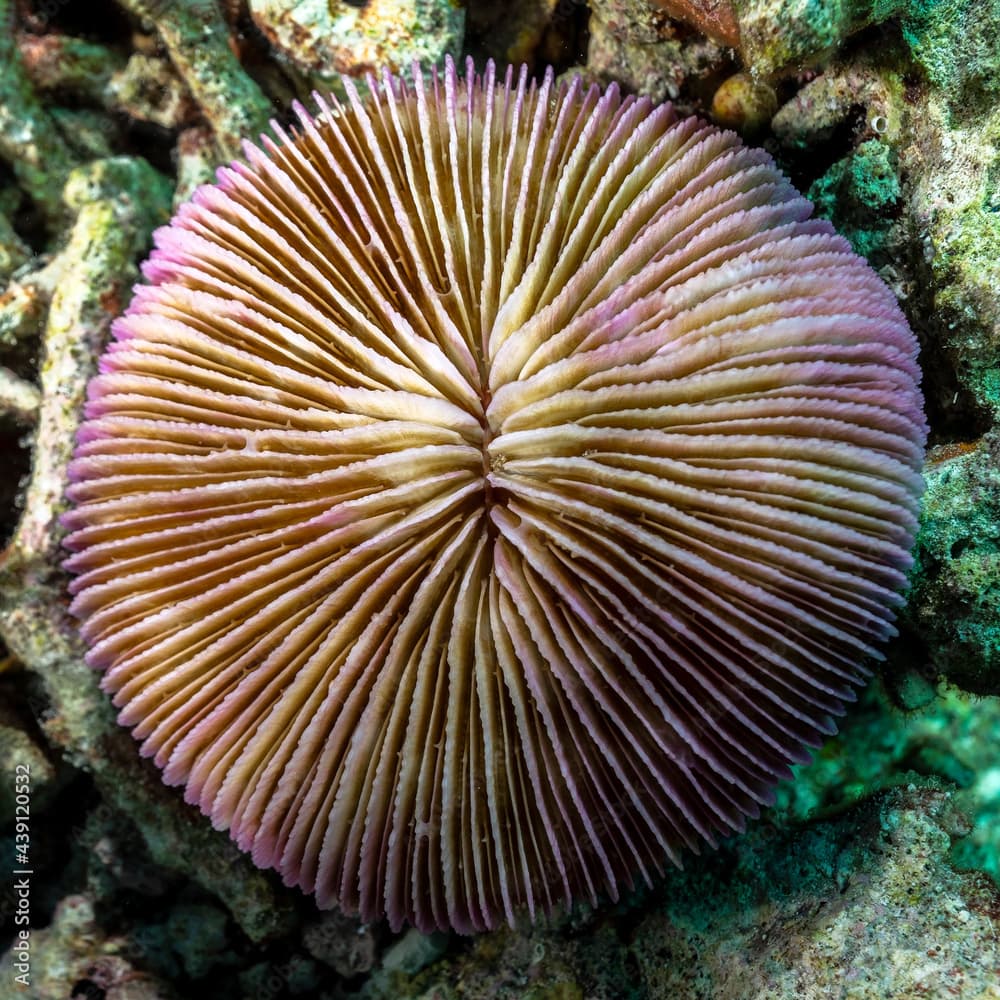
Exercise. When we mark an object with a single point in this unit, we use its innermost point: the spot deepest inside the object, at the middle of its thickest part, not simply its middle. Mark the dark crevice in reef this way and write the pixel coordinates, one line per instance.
(95, 20)
(151, 141)
(953, 413)
(15, 454)
(808, 165)
(25, 220)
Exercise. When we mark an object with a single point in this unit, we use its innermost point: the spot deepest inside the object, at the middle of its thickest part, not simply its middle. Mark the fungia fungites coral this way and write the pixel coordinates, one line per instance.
(492, 491)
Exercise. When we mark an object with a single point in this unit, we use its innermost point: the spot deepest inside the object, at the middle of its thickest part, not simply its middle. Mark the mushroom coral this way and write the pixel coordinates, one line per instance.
(495, 487)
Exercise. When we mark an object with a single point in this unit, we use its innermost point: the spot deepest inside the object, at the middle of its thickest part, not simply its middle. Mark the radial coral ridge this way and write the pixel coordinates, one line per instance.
(493, 490)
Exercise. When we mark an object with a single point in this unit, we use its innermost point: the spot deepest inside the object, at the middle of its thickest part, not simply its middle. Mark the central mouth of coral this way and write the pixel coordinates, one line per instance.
(491, 493)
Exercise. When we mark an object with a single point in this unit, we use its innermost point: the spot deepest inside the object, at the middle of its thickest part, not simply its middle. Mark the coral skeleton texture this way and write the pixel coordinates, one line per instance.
(496, 486)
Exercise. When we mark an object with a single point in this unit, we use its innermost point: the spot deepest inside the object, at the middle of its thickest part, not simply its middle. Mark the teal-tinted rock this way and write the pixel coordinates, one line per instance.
(776, 34)
(954, 604)
(860, 194)
(955, 42)
(198, 937)
(776, 915)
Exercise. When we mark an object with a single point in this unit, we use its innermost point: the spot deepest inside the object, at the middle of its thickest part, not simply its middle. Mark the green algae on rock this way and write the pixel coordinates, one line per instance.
(780, 915)
(324, 40)
(861, 194)
(955, 602)
(39, 155)
(632, 43)
(955, 43)
(198, 42)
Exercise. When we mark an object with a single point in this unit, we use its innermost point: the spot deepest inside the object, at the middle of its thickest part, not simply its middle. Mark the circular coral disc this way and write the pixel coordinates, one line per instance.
(492, 491)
